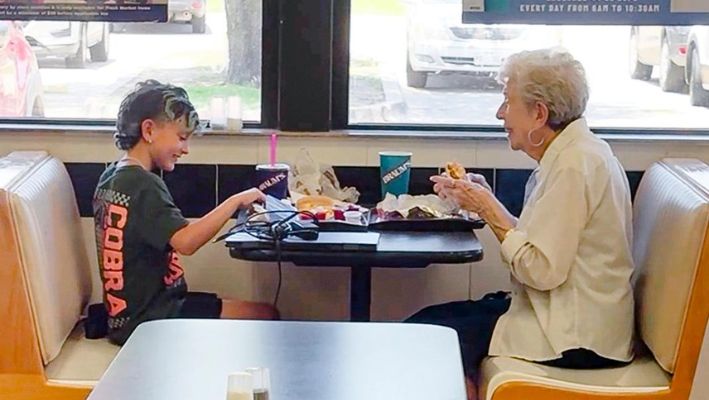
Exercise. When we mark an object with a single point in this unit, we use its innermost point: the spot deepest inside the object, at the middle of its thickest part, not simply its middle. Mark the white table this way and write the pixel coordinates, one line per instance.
(190, 359)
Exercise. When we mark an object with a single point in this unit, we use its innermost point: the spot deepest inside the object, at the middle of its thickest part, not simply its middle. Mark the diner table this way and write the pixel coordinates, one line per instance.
(183, 359)
(393, 249)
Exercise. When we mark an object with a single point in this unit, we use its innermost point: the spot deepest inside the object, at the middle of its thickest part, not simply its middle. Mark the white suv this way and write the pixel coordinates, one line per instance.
(74, 41)
(439, 43)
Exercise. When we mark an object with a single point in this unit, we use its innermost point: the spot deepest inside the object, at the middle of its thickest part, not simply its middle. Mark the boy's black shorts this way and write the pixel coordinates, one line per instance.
(201, 305)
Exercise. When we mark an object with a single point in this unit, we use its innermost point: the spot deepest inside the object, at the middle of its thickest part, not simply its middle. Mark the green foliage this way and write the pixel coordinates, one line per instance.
(200, 95)
(215, 6)
(378, 7)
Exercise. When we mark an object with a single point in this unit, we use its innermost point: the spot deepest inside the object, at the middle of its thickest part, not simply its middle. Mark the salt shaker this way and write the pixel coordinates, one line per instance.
(240, 386)
(261, 381)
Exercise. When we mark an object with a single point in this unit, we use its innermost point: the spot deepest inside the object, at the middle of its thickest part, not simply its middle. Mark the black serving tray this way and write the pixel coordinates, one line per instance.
(340, 226)
(453, 224)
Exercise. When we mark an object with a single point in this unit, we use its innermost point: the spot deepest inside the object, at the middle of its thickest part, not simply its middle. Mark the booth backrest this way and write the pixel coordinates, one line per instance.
(671, 254)
(671, 215)
(47, 226)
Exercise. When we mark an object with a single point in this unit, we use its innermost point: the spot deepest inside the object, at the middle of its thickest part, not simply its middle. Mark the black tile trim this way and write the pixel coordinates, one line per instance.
(232, 179)
(193, 188)
(84, 178)
(509, 188)
(198, 188)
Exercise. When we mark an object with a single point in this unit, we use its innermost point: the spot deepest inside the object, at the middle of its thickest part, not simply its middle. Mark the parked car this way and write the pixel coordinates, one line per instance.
(20, 82)
(193, 12)
(74, 41)
(439, 43)
(697, 76)
(663, 47)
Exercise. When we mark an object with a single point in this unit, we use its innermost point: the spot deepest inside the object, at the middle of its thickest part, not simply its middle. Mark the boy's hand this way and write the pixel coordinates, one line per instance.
(247, 197)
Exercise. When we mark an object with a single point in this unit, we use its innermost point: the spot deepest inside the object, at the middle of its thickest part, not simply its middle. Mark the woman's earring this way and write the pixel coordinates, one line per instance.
(529, 136)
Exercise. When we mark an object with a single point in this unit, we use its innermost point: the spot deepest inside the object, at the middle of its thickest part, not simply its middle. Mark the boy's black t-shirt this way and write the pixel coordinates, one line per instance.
(135, 217)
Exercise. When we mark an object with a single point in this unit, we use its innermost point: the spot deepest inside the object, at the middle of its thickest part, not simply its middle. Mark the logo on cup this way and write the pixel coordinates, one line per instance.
(272, 181)
(396, 172)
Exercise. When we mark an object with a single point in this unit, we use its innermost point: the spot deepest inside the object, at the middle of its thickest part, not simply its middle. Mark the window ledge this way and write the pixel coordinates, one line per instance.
(610, 135)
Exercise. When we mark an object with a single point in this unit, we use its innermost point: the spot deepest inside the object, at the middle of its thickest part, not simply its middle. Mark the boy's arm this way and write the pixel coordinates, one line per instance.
(194, 235)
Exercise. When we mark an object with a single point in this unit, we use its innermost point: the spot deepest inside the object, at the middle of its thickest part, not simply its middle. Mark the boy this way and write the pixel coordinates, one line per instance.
(140, 231)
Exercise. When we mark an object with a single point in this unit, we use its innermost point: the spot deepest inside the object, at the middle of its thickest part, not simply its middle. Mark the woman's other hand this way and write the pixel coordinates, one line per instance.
(478, 198)
(479, 179)
(469, 195)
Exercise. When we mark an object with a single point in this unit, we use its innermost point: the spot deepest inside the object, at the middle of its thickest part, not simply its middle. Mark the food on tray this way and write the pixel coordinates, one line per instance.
(418, 207)
(455, 170)
(423, 212)
(325, 208)
(308, 203)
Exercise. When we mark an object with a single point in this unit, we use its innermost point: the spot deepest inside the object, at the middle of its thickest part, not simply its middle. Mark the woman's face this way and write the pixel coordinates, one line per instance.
(170, 142)
(518, 118)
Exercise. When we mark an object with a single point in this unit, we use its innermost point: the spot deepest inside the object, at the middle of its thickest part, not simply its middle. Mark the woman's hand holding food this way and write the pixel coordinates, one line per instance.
(473, 193)
(455, 170)
(468, 195)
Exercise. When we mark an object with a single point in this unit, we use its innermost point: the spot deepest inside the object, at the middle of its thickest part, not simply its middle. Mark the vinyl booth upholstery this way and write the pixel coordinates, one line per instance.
(671, 281)
(45, 285)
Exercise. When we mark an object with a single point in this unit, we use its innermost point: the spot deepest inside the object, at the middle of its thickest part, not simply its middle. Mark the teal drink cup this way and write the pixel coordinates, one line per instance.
(394, 171)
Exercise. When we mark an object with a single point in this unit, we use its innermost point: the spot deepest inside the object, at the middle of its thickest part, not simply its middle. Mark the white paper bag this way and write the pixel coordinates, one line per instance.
(310, 177)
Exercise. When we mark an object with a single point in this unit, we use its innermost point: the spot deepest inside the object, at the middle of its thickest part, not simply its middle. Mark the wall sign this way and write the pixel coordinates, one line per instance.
(89, 10)
(587, 12)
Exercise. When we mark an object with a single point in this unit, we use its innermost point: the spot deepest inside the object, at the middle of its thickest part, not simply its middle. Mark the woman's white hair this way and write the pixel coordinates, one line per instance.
(552, 77)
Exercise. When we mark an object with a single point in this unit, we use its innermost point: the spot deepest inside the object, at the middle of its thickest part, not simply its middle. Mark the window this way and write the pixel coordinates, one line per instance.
(427, 68)
(85, 69)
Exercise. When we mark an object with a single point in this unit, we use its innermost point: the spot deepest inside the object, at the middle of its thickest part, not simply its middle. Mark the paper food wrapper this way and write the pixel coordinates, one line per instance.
(430, 203)
(309, 177)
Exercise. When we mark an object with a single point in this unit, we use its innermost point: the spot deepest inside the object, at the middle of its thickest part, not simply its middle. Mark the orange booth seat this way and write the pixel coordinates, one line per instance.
(671, 253)
(45, 285)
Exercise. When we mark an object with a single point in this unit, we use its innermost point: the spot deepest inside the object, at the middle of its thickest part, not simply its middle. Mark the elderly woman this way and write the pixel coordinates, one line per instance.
(569, 253)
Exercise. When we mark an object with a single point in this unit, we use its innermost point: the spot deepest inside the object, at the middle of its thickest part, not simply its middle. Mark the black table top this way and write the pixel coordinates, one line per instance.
(395, 249)
(191, 359)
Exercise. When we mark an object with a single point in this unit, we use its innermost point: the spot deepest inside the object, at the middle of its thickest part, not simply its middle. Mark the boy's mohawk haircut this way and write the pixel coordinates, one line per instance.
(152, 100)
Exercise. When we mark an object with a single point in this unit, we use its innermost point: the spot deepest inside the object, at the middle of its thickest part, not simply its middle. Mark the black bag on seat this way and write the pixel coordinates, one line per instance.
(96, 323)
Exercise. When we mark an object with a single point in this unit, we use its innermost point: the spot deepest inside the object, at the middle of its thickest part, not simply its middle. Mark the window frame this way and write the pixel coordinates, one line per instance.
(305, 81)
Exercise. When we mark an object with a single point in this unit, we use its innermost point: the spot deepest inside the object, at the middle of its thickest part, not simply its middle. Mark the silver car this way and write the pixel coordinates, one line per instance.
(74, 41)
(439, 43)
(663, 47)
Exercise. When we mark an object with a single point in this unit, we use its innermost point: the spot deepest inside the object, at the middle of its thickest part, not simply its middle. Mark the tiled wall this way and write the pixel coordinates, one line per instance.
(319, 293)
(197, 188)
(219, 166)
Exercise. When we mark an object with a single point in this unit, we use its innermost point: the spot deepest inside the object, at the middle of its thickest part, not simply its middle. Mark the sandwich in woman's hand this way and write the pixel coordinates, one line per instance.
(455, 170)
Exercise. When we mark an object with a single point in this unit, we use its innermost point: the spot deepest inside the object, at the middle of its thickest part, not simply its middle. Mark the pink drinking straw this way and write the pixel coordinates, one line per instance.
(272, 150)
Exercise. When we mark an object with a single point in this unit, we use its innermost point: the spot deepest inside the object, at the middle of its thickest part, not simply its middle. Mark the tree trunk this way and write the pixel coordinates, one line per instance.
(244, 35)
